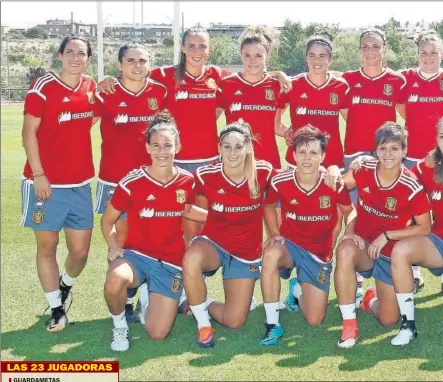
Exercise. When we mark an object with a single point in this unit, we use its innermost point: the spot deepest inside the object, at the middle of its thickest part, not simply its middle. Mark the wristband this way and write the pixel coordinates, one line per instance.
(386, 236)
(37, 175)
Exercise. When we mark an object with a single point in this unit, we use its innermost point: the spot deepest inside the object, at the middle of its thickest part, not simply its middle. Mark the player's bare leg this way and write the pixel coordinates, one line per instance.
(313, 303)
(160, 316)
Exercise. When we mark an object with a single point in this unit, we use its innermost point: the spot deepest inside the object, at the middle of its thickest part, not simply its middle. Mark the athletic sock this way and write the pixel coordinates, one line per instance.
(201, 314)
(272, 310)
(54, 298)
(119, 320)
(348, 311)
(406, 305)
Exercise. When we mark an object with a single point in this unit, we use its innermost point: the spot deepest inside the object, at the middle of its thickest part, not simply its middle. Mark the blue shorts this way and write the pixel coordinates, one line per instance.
(348, 160)
(409, 163)
(309, 270)
(381, 270)
(67, 208)
(233, 267)
(103, 196)
(438, 243)
(192, 166)
(162, 278)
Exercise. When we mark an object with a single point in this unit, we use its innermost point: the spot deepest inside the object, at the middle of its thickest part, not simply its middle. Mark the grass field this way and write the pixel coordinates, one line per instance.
(304, 353)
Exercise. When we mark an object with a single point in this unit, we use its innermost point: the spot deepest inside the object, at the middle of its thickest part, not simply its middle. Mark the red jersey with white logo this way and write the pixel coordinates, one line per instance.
(423, 99)
(257, 105)
(382, 209)
(319, 106)
(434, 191)
(193, 105)
(124, 118)
(155, 213)
(370, 103)
(308, 217)
(64, 133)
(235, 214)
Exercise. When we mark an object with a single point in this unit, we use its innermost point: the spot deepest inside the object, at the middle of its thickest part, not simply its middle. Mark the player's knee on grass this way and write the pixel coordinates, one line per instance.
(234, 321)
(314, 318)
(388, 320)
(157, 331)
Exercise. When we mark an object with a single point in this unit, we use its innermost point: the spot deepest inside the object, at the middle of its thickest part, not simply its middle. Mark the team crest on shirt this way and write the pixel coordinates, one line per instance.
(91, 98)
(152, 103)
(210, 83)
(387, 89)
(333, 98)
(37, 217)
(269, 94)
(254, 194)
(322, 276)
(181, 196)
(253, 268)
(177, 282)
(325, 202)
(391, 203)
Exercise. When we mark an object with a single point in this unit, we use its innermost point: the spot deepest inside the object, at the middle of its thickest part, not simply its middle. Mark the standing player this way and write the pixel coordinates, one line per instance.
(305, 237)
(155, 198)
(423, 106)
(124, 117)
(426, 251)
(254, 95)
(56, 192)
(389, 199)
(232, 235)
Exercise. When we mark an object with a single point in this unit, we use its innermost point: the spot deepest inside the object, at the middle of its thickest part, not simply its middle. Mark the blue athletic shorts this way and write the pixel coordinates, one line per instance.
(103, 196)
(233, 267)
(348, 160)
(381, 270)
(309, 270)
(162, 278)
(67, 208)
(438, 243)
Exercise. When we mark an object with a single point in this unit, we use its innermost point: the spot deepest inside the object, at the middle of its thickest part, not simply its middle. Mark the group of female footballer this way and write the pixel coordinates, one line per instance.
(180, 200)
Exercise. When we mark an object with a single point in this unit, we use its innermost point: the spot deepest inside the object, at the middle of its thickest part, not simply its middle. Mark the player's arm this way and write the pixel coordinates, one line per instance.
(106, 85)
(42, 187)
(283, 79)
(192, 212)
(108, 220)
(401, 109)
(279, 126)
(333, 176)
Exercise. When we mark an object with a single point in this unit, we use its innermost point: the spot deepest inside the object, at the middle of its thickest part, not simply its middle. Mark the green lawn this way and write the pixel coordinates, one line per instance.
(305, 353)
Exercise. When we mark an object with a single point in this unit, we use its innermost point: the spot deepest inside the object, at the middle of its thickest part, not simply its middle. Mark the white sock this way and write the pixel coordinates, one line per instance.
(129, 300)
(201, 314)
(416, 271)
(119, 320)
(406, 305)
(68, 280)
(372, 302)
(209, 301)
(360, 278)
(54, 298)
(297, 291)
(272, 310)
(348, 311)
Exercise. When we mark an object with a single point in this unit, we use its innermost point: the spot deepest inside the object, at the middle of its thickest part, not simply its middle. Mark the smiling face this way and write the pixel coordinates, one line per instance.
(196, 49)
(430, 56)
(162, 148)
(74, 57)
(391, 154)
(318, 58)
(254, 57)
(134, 65)
(233, 149)
(308, 157)
(372, 50)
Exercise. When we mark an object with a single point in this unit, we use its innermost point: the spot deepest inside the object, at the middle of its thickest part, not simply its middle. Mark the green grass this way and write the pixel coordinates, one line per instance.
(304, 353)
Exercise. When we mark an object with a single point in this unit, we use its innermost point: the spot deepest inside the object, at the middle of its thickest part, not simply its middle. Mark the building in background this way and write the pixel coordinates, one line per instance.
(139, 32)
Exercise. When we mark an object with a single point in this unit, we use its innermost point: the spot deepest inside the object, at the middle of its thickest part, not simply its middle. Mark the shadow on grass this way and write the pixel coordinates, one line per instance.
(301, 345)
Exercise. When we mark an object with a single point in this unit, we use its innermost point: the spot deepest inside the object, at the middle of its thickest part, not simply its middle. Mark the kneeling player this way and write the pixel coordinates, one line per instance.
(304, 240)
(426, 251)
(389, 198)
(155, 199)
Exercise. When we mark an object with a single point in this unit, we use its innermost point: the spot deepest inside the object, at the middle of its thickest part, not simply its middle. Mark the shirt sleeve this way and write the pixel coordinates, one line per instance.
(35, 102)
(99, 104)
(282, 100)
(190, 197)
(198, 186)
(272, 195)
(420, 203)
(343, 197)
(121, 199)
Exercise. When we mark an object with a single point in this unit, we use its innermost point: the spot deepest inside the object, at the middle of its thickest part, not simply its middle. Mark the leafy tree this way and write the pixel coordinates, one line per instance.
(35, 32)
(402, 52)
(224, 51)
(168, 41)
(437, 26)
(34, 73)
(34, 62)
(346, 53)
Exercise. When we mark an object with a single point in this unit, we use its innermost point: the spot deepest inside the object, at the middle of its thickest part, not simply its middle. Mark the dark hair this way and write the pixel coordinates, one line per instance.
(428, 37)
(129, 45)
(244, 129)
(391, 131)
(163, 121)
(180, 68)
(374, 32)
(259, 34)
(322, 38)
(65, 41)
(308, 134)
(438, 158)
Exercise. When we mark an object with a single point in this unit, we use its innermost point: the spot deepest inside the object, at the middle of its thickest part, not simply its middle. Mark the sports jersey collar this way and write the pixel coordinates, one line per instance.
(382, 74)
(164, 185)
(315, 86)
(393, 184)
(236, 185)
(320, 180)
(265, 77)
(199, 77)
(440, 71)
(59, 80)
(117, 82)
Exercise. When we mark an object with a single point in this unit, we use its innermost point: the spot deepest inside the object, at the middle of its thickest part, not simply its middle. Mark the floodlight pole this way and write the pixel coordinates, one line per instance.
(176, 31)
(100, 69)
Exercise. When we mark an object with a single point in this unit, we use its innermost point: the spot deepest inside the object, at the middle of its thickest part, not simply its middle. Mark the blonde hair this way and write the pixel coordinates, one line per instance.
(259, 34)
(438, 156)
(428, 37)
(244, 129)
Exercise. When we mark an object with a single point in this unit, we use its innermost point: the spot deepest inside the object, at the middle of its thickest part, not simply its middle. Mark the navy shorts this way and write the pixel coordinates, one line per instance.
(233, 267)
(162, 278)
(309, 270)
(103, 196)
(409, 163)
(381, 270)
(192, 166)
(67, 208)
(438, 243)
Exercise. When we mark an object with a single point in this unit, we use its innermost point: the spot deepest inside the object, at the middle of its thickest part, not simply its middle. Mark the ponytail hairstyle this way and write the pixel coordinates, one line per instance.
(322, 37)
(374, 32)
(428, 37)
(438, 158)
(244, 129)
(129, 45)
(260, 34)
(163, 121)
(180, 68)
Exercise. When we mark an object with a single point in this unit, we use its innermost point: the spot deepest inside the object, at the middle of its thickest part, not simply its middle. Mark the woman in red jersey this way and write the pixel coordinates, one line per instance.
(56, 193)
(155, 198)
(232, 235)
(426, 251)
